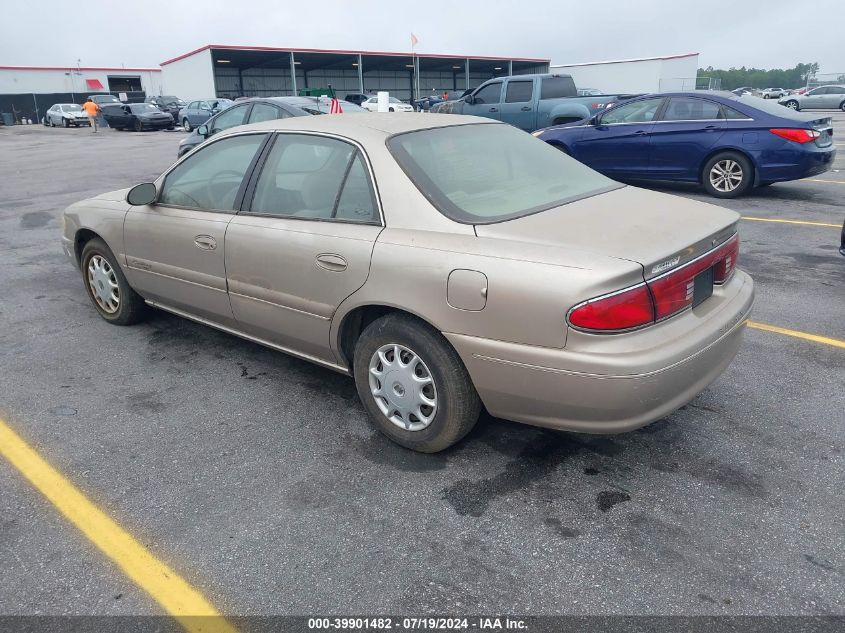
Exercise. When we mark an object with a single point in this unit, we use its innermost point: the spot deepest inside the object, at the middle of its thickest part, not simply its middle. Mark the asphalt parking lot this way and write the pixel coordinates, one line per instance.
(258, 479)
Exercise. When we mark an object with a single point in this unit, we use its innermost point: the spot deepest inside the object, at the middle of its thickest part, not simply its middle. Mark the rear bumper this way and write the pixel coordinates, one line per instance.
(625, 382)
(778, 166)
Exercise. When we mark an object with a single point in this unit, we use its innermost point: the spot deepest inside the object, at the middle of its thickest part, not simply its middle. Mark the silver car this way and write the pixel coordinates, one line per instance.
(65, 114)
(821, 98)
(446, 263)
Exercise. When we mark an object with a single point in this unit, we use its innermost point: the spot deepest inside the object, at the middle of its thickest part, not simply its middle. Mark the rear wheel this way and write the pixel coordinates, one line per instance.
(727, 175)
(186, 125)
(842, 106)
(107, 287)
(413, 384)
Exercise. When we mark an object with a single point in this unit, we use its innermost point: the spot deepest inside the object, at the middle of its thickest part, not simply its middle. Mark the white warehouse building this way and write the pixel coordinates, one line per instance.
(634, 76)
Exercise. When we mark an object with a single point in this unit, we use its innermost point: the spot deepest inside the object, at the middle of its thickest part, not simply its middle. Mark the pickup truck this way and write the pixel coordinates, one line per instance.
(529, 102)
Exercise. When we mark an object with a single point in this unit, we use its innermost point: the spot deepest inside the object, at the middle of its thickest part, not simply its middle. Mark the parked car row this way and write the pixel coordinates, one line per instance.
(821, 98)
(255, 110)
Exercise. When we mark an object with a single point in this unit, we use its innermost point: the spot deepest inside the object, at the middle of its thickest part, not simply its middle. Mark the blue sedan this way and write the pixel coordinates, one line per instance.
(726, 143)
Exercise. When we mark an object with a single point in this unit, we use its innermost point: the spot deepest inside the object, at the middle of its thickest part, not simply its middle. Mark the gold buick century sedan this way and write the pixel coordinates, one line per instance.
(446, 263)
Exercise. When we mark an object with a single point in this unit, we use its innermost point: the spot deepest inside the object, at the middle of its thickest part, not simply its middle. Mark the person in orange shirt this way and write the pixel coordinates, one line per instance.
(92, 110)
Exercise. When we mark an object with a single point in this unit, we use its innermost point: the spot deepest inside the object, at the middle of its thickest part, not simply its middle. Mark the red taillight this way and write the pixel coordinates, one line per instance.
(799, 136)
(727, 264)
(661, 297)
(620, 311)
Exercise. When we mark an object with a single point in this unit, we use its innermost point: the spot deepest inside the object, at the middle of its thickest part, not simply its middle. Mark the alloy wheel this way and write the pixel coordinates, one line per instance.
(403, 387)
(726, 175)
(102, 282)
(792, 105)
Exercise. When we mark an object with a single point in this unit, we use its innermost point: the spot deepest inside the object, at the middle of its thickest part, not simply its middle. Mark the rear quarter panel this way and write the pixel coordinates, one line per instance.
(530, 288)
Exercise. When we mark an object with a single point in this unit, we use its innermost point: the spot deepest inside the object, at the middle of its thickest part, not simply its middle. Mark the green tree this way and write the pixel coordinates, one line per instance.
(733, 78)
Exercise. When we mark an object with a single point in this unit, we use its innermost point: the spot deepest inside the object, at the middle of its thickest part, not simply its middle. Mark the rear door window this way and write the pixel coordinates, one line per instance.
(691, 109)
(519, 91)
(314, 178)
(266, 112)
(557, 87)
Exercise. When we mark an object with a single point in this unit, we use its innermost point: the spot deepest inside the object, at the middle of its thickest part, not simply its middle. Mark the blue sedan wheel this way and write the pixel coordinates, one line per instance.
(727, 175)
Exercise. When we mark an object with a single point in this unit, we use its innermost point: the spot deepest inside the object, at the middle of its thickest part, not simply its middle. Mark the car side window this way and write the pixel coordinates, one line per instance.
(690, 109)
(209, 179)
(557, 87)
(302, 178)
(835, 90)
(229, 118)
(491, 93)
(519, 91)
(730, 113)
(641, 111)
(266, 112)
(357, 202)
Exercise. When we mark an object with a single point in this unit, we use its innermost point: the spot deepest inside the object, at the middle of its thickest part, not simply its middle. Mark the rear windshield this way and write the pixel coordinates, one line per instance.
(558, 87)
(485, 173)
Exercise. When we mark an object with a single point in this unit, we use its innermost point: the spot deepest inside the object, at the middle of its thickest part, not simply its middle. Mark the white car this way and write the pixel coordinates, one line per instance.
(393, 105)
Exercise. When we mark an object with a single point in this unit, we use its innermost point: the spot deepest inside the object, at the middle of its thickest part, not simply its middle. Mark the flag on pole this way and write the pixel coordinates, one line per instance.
(414, 41)
(335, 107)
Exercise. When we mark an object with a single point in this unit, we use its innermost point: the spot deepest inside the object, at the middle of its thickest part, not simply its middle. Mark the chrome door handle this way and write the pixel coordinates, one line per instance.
(205, 242)
(331, 262)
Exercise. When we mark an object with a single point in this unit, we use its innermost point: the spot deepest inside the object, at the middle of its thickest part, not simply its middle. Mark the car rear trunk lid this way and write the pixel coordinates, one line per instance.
(660, 232)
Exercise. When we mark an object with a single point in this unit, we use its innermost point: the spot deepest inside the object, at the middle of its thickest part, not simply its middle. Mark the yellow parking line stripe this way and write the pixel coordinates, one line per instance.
(826, 340)
(167, 588)
(746, 217)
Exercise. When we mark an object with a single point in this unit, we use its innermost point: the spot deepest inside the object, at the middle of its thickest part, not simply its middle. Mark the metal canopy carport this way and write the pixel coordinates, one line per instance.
(269, 71)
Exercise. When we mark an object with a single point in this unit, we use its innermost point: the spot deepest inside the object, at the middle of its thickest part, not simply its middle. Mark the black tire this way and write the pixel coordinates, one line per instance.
(45, 122)
(747, 175)
(186, 125)
(131, 307)
(458, 404)
(793, 104)
(65, 122)
(842, 106)
(138, 126)
(171, 127)
(391, 110)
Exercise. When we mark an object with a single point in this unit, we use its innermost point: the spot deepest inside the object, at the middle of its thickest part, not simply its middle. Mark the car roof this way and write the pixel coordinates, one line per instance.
(365, 124)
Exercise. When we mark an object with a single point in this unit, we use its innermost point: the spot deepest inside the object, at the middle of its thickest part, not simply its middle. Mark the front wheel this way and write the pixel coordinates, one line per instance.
(792, 105)
(107, 287)
(65, 122)
(413, 384)
(186, 125)
(138, 126)
(842, 106)
(727, 175)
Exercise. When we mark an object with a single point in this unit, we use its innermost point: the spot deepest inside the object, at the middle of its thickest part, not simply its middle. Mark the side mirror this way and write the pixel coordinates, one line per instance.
(469, 100)
(142, 194)
(202, 130)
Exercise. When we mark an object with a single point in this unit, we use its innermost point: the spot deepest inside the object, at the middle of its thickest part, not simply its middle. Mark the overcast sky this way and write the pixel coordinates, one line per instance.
(759, 33)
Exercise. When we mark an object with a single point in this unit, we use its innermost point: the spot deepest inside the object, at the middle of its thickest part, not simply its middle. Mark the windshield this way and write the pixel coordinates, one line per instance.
(484, 173)
(138, 108)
